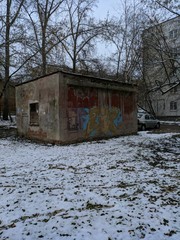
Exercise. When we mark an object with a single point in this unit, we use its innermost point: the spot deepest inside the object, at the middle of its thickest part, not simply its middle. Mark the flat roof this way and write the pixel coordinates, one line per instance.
(97, 79)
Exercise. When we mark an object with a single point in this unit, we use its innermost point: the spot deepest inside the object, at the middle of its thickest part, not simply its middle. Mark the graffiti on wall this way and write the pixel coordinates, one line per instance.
(82, 97)
(94, 120)
(78, 118)
(103, 120)
(94, 112)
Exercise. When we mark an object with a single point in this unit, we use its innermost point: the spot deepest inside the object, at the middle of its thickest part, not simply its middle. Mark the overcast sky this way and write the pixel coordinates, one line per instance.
(104, 7)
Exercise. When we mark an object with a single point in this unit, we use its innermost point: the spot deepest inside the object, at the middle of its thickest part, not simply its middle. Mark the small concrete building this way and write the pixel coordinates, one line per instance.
(65, 107)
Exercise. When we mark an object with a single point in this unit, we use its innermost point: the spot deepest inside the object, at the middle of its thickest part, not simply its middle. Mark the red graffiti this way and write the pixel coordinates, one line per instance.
(80, 97)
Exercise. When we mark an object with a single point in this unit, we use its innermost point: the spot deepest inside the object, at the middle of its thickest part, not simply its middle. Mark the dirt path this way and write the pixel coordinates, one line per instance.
(167, 128)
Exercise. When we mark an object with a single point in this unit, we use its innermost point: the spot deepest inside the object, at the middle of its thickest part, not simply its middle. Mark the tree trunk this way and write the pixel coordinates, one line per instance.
(44, 63)
(7, 63)
(5, 105)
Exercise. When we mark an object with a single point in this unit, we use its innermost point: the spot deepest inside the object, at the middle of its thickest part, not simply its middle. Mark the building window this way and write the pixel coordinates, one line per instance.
(164, 106)
(173, 106)
(34, 114)
(173, 34)
(175, 52)
(174, 90)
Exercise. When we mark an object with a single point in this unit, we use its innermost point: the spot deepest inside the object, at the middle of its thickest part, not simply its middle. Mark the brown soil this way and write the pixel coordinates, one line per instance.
(167, 128)
(7, 132)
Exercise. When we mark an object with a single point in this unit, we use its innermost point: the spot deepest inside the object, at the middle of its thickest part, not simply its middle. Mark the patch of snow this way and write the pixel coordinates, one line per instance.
(8, 123)
(122, 188)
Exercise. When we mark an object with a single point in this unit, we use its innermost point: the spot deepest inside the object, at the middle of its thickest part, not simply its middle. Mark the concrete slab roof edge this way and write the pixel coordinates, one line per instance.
(81, 75)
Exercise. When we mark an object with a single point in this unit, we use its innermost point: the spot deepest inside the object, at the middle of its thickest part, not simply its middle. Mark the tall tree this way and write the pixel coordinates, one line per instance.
(82, 30)
(41, 14)
(125, 35)
(12, 11)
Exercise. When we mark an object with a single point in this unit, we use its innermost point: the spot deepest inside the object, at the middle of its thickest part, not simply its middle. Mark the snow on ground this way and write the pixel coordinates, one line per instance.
(8, 124)
(123, 188)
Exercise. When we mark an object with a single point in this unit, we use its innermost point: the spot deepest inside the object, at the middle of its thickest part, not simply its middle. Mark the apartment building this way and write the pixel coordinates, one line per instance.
(161, 68)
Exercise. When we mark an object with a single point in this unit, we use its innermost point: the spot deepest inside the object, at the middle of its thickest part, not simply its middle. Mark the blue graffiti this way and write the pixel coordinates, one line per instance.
(84, 117)
(97, 120)
(118, 120)
(92, 133)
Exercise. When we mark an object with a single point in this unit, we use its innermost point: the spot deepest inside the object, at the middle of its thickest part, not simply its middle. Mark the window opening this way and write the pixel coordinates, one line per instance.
(34, 114)
(173, 106)
(173, 34)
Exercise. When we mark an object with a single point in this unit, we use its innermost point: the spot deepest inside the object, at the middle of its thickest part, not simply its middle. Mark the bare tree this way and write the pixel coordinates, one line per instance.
(82, 30)
(8, 20)
(173, 6)
(161, 57)
(41, 17)
(125, 35)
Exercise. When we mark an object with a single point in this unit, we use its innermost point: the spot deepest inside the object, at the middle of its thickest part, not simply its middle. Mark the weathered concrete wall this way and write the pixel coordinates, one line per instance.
(73, 107)
(96, 109)
(45, 92)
